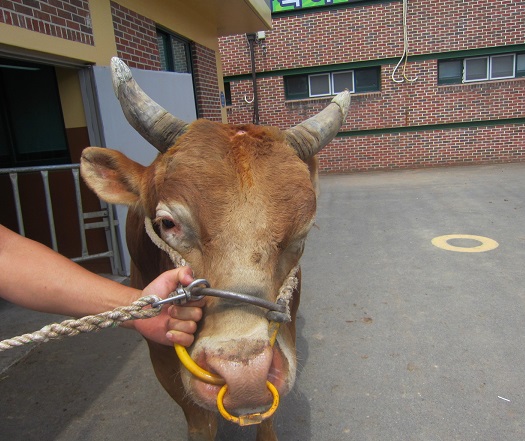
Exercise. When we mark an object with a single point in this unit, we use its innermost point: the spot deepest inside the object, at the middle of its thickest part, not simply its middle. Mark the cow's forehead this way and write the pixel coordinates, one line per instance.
(217, 168)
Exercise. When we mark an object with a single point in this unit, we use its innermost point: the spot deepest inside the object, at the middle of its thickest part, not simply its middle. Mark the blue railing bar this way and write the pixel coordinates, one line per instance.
(49, 208)
(94, 214)
(83, 239)
(4, 171)
(16, 194)
(116, 262)
(92, 256)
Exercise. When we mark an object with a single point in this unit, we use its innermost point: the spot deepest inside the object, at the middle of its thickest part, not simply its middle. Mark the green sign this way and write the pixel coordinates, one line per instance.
(292, 5)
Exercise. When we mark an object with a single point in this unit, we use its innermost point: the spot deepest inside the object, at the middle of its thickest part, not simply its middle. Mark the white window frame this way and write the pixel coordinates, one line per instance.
(490, 61)
(477, 79)
(342, 72)
(330, 76)
(513, 66)
(329, 85)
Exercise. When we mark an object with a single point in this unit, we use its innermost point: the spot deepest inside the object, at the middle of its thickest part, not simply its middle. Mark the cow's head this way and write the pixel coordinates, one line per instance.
(237, 202)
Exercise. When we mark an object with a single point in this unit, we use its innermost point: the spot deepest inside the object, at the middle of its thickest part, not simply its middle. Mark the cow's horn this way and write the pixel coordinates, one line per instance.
(309, 137)
(156, 125)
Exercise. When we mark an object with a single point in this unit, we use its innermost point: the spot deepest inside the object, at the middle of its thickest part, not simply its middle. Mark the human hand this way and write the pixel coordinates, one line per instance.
(174, 324)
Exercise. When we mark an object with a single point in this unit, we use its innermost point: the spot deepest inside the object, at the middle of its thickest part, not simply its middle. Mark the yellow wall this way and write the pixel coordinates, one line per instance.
(70, 97)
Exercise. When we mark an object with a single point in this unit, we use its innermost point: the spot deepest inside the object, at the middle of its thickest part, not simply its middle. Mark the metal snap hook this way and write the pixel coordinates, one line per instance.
(182, 294)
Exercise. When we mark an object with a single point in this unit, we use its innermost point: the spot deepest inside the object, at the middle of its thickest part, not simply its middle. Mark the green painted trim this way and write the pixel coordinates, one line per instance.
(314, 69)
(380, 62)
(430, 127)
(304, 11)
(495, 50)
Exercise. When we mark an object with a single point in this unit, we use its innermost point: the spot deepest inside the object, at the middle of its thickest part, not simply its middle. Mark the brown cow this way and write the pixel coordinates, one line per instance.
(237, 202)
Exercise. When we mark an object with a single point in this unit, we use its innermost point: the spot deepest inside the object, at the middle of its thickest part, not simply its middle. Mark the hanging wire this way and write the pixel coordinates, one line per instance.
(404, 57)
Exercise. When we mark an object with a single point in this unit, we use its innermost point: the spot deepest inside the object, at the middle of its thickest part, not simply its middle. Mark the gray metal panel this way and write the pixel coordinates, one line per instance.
(173, 91)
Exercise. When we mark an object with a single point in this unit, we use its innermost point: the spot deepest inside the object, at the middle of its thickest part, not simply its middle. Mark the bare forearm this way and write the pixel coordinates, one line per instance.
(34, 276)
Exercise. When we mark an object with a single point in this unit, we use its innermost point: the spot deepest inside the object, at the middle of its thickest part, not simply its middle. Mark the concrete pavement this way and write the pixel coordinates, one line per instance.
(397, 339)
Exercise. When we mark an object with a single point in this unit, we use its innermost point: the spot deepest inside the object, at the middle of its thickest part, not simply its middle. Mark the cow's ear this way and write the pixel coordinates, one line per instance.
(111, 175)
(313, 167)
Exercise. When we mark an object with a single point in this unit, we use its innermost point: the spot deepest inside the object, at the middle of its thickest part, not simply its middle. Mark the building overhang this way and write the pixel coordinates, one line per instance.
(238, 16)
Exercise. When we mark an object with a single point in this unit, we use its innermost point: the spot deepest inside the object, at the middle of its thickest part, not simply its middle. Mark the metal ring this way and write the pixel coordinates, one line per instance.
(196, 283)
(253, 418)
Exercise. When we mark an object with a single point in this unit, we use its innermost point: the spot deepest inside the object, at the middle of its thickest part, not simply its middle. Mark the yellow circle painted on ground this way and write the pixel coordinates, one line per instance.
(486, 244)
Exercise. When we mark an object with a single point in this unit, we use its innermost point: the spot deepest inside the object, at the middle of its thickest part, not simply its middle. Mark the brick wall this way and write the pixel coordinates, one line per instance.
(433, 124)
(374, 31)
(69, 20)
(396, 105)
(136, 38)
(427, 148)
(206, 82)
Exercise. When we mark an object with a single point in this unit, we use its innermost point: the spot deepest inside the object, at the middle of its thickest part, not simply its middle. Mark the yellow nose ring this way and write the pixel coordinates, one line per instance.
(253, 418)
(208, 377)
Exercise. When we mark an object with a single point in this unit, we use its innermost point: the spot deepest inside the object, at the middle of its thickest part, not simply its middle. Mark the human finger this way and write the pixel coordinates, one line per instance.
(187, 326)
(167, 282)
(185, 312)
(181, 338)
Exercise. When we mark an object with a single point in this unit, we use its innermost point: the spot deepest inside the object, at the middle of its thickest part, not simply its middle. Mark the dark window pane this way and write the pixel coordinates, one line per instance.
(4, 142)
(520, 65)
(502, 66)
(163, 42)
(32, 126)
(228, 94)
(450, 71)
(296, 86)
(174, 52)
(476, 69)
(180, 55)
(367, 80)
(342, 81)
(319, 84)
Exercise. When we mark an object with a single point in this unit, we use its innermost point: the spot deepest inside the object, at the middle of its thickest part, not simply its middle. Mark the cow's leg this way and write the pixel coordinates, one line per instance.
(202, 424)
(265, 431)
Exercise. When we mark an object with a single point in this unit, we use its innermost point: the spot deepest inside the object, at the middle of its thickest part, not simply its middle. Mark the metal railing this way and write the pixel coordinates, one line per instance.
(108, 222)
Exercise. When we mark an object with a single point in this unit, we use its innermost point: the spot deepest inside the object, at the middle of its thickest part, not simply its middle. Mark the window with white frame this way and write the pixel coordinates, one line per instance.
(502, 66)
(494, 67)
(332, 83)
(475, 69)
(342, 81)
(319, 85)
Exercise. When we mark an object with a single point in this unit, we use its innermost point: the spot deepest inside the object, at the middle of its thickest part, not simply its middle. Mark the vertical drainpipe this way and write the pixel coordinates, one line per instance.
(251, 41)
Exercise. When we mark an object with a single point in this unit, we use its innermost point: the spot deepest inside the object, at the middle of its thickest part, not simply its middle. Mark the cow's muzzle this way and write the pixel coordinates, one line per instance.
(208, 377)
(200, 288)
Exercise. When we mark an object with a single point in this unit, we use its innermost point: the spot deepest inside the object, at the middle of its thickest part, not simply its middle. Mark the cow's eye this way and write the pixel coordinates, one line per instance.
(168, 224)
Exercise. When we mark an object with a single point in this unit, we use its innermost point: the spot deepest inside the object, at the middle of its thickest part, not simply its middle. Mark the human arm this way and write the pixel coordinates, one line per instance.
(35, 277)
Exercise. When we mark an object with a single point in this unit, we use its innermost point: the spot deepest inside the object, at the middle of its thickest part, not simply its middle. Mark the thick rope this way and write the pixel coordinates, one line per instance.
(404, 57)
(175, 257)
(90, 323)
(285, 296)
